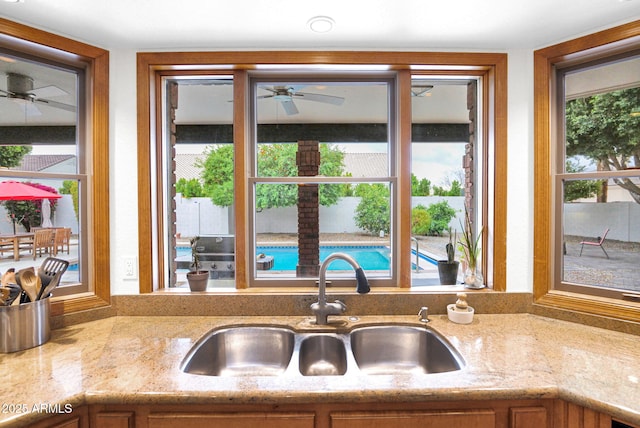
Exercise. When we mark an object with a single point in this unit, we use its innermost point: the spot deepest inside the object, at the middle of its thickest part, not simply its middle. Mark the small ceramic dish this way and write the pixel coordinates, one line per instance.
(460, 317)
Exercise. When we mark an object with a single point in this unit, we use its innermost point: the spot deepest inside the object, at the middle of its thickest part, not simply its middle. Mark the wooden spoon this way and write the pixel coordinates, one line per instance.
(28, 280)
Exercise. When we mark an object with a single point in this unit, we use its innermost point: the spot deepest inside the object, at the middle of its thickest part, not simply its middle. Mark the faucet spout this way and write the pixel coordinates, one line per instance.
(321, 308)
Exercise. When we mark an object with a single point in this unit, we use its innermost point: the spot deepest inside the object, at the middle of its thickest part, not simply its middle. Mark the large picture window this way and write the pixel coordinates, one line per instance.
(321, 162)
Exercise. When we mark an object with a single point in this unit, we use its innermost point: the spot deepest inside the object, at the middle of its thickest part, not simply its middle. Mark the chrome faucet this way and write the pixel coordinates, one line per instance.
(321, 308)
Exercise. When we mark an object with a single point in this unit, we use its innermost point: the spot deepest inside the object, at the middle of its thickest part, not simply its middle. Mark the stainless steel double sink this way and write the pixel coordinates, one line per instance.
(280, 351)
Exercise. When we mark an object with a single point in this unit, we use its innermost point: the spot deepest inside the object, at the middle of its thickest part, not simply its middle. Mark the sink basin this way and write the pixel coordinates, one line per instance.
(241, 351)
(322, 355)
(273, 351)
(397, 349)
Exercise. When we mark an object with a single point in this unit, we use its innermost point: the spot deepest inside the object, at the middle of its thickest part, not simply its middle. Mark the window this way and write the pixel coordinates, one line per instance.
(446, 174)
(307, 139)
(54, 113)
(276, 111)
(591, 153)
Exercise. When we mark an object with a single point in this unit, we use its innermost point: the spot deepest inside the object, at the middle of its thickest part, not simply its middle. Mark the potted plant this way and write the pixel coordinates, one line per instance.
(448, 269)
(197, 278)
(470, 249)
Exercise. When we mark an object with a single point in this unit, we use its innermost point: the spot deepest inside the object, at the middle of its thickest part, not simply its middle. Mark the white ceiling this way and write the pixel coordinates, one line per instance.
(359, 24)
(374, 24)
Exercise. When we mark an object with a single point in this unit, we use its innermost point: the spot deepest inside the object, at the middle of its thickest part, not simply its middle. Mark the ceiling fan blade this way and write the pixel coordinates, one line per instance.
(329, 99)
(266, 96)
(266, 88)
(55, 104)
(289, 107)
(8, 94)
(48, 92)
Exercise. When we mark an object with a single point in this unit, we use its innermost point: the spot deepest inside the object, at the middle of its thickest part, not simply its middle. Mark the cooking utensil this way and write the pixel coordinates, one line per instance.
(50, 273)
(29, 281)
(9, 277)
(12, 292)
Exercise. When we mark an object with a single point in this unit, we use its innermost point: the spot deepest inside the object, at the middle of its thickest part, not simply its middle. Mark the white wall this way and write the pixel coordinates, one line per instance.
(123, 168)
(124, 230)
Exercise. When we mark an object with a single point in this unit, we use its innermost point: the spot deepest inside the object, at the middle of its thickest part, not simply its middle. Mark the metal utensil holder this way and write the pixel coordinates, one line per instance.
(24, 326)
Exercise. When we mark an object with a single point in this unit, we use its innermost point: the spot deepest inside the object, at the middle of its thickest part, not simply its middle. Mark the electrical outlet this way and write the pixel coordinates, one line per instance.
(130, 268)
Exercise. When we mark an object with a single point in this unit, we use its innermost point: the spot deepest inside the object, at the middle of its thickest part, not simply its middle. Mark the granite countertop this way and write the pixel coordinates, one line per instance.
(129, 359)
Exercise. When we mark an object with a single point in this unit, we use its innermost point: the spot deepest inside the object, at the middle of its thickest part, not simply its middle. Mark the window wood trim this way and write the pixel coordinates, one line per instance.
(95, 61)
(150, 65)
(587, 48)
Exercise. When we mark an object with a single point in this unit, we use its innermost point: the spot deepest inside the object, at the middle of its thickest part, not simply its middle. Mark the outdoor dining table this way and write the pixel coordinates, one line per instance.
(16, 239)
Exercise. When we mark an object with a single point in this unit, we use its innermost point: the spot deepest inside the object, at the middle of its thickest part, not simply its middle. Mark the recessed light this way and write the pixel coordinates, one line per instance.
(321, 24)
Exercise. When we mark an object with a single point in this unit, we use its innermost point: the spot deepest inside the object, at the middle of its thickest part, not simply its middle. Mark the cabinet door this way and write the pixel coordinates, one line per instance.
(114, 420)
(415, 419)
(232, 420)
(528, 417)
(79, 418)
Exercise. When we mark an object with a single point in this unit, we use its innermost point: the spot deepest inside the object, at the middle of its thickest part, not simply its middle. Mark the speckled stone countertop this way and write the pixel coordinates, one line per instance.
(129, 359)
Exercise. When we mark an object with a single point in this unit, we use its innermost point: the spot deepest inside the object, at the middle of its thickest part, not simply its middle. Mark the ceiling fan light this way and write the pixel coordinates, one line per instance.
(321, 24)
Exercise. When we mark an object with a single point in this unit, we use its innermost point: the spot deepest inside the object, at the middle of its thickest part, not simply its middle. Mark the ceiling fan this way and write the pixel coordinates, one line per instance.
(20, 90)
(287, 94)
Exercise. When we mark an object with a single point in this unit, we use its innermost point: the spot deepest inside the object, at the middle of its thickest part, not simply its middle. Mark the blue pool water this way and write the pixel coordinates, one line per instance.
(368, 257)
(286, 258)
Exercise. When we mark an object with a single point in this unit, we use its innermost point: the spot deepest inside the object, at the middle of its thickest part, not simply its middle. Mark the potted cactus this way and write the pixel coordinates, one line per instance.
(197, 278)
(448, 269)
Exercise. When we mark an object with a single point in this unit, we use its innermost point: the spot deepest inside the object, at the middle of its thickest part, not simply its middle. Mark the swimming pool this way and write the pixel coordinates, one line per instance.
(368, 257)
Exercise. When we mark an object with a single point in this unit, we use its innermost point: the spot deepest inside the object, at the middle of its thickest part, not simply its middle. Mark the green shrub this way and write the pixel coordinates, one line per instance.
(420, 220)
(441, 214)
(373, 213)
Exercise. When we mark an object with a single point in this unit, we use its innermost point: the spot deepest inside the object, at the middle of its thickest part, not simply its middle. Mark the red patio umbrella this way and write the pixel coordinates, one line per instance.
(17, 191)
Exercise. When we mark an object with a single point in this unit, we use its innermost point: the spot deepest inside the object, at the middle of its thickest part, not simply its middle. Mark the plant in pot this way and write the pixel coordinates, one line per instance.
(448, 269)
(197, 278)
(470, 249)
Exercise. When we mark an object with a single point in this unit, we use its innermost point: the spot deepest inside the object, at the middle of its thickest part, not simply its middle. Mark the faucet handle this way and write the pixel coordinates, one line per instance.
(341, 304)
(423, 314)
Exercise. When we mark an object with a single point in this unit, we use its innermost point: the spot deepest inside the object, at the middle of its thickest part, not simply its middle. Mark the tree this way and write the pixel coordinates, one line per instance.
(373, 213)
(441, 214)
(28, 213)
(601, 128)
(11, 156)
(420, 188)
(455, 190)
(189, 188)
(579, 189)
(274, 160)
(420, 220)
(217, 174)
(70, 187)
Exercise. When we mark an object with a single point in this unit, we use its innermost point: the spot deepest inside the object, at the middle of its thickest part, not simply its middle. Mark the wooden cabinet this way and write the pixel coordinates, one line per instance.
(477, 414)
(114, 420)
(232, 420)
(77, 418)
(429, 419)
(543, 413)
(528, 417)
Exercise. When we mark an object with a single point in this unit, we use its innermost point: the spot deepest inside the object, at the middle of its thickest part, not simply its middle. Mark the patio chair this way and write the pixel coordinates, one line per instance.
(6, 244)
(61, 239)
(598, 243)
(42, 242)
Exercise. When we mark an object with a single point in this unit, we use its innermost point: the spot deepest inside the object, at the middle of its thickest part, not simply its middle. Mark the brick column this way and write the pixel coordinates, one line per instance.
(469, 152)
(308, 162)
(172, 93)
